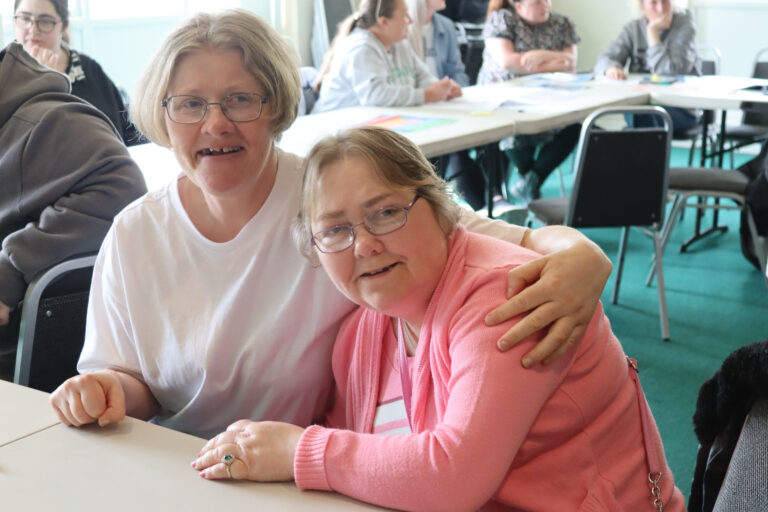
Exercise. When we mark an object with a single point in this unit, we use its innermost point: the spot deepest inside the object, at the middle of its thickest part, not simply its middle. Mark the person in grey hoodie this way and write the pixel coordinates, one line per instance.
(64, 174)
(370, 63)
(662, 42)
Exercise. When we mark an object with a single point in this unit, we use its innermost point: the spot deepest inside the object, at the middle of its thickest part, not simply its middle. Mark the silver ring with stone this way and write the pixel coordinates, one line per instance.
(227, 460)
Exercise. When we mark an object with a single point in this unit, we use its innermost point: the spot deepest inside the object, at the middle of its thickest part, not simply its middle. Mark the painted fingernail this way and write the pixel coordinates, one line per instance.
(194, 463)
(200, 453)
(202, 474)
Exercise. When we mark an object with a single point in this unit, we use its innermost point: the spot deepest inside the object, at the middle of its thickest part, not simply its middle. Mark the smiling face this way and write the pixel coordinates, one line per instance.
(221, 157)
(655, 9)
(534, 12)
(395, 273)
(32, 37)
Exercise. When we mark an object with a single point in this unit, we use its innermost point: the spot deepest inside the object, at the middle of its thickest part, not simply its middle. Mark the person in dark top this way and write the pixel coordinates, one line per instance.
(40, 26)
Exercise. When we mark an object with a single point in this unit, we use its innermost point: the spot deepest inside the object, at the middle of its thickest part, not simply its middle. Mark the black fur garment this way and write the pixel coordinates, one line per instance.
(721, 408)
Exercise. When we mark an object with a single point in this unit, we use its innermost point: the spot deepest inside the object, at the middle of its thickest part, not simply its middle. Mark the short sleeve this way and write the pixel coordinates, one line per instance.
(500, 24)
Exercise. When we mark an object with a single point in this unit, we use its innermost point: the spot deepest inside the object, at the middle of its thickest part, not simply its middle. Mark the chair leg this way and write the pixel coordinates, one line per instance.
(663, 317)
(620, 266)
(691, 152)
(678, 205)
(759, 246)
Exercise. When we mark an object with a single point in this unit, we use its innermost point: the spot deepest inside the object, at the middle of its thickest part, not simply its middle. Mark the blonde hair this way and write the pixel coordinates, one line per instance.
(396, 161)
(417, 10)
(265, 54)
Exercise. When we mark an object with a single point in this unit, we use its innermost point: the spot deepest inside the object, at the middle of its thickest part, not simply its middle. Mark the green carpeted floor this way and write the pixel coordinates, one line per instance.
(717, 302)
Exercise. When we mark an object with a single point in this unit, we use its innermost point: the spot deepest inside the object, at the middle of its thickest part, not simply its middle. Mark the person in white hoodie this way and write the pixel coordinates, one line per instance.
(64, 174)
(370, 63)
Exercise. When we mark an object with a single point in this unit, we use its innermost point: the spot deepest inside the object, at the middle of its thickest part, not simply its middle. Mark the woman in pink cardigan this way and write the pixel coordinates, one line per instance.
(428, 415)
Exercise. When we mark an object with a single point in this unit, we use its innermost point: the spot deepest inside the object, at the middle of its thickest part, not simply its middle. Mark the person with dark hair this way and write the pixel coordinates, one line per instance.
(40, 28)
(64, 174)
(371, 63)
(524, 37)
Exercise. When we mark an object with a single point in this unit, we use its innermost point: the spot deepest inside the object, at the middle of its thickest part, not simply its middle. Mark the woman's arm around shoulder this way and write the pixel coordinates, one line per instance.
(559, 291)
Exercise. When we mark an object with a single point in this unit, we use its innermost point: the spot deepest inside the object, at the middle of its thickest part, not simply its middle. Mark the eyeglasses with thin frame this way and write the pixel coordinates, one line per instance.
(380, 222)
(44, 23)
(239, 107)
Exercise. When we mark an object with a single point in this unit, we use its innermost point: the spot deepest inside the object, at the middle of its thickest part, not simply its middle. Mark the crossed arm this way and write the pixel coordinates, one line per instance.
(534, 61)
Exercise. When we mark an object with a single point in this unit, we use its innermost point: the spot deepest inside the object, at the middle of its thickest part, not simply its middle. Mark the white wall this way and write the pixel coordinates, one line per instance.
(597, 22)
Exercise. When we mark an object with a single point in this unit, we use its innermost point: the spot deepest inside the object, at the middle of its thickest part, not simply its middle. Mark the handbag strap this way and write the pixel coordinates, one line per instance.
(652, 455)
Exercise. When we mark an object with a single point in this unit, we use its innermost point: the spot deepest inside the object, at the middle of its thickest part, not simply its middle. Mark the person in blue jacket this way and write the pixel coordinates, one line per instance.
(433, 39)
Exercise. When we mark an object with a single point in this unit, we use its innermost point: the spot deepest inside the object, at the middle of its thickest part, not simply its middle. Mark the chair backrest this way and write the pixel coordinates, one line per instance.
(328, 15)
(52, 327)
(471, 46)
(757, 113)
(621, 174)
(711, 59)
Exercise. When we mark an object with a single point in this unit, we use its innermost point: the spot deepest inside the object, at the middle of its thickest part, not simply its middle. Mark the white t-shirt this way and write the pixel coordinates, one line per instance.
(218, 331)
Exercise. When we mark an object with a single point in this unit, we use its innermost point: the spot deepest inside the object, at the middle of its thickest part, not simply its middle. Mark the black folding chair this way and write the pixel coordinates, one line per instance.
(52, 327)
(620, 181)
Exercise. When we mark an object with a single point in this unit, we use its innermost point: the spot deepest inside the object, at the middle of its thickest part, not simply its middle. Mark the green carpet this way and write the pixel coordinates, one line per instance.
(717, 302)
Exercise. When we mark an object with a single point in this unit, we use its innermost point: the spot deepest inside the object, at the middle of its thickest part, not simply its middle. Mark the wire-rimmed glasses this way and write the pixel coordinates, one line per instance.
(240, 107)
(44, 23)
(380, 222)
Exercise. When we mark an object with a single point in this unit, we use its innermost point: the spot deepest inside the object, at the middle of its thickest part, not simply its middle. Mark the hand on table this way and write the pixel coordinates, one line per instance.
(263, 451)
(560, 292)
(91, 397)
(454, 91)
(440, 90)
(615, 73)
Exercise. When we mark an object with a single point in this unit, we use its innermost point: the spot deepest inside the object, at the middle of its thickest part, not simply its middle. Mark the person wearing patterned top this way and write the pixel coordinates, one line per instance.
(524, 37)
(40, 28)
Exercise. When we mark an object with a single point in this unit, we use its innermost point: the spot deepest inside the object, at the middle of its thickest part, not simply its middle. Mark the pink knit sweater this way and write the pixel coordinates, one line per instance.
(488, 433)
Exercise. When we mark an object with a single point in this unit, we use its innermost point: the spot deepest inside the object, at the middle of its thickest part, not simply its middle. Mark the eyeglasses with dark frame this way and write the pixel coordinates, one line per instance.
(239, 107)
(381, 222)
(45, 23)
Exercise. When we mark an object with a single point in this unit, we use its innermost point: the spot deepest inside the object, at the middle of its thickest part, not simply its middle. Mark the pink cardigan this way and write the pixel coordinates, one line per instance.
(488, 432)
